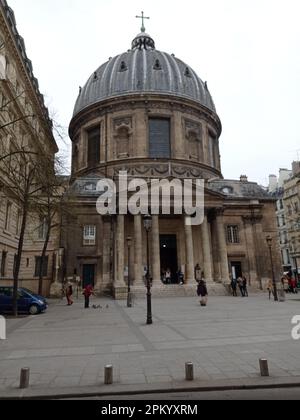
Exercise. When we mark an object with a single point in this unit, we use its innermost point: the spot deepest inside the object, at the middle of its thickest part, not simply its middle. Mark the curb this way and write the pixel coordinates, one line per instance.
(125, 390)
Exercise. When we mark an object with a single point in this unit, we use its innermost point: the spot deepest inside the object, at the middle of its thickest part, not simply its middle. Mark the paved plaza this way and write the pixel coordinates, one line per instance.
(67, 348)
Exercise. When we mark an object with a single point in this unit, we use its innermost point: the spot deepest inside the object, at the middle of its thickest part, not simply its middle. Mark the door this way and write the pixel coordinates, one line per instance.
(236, 269)
(88, 275)
(168, 255)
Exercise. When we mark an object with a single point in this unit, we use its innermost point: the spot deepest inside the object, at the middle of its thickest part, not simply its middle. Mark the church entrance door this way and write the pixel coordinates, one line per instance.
(236, 269)
(169, 256)
(88, 275)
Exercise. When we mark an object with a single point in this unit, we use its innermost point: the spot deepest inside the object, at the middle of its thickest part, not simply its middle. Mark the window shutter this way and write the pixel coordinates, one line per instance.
(159, 138)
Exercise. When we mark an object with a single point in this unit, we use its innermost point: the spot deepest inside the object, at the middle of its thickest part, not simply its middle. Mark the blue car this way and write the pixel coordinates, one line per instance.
(28, 302)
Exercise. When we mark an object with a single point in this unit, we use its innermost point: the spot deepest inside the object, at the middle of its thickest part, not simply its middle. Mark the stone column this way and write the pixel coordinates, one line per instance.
(155, 251)
(250, 247)
(206, 239)
(120, 250)
(222, 247)
(138, 251)
(189, 252)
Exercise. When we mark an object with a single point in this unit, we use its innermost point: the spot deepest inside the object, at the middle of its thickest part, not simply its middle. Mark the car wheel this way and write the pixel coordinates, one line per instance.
(34, 310)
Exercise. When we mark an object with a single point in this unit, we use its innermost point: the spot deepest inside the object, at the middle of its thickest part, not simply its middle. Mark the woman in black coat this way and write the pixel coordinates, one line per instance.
(202, 292)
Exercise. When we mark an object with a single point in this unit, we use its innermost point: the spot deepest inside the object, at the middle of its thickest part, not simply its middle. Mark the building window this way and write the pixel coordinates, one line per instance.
(3, 263)
(8, 216)
(233, 236)
(38, 262)
(212, 145)
(93, 146)
(43, 229)
(89, 235)
(159, 138)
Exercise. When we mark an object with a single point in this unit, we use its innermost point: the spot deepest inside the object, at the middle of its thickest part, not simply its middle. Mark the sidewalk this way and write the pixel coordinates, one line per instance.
(68, 348)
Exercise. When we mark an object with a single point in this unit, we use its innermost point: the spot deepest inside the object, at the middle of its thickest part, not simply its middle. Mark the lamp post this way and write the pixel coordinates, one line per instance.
(148, 227)
(129, 296)
(269, 242)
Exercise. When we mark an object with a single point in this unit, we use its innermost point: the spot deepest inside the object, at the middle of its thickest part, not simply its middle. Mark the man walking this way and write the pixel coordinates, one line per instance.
(88, 291)
(245, 286)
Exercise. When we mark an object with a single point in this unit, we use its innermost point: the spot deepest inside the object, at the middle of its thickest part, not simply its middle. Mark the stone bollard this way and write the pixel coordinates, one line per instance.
(24, 378)
(264, 368)
(189, 371)
(108, 375)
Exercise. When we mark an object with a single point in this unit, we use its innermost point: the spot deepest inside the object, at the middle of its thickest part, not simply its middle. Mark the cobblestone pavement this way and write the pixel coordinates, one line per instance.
(68, 347)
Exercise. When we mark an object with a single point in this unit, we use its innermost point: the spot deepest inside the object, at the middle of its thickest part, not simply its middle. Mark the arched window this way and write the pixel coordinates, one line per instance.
(93, 146)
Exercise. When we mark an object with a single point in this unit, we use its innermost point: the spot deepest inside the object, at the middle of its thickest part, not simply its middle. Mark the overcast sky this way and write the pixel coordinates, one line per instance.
(248, 51)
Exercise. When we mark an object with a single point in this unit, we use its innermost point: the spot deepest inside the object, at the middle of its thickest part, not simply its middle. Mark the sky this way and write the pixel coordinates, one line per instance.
(247, 51)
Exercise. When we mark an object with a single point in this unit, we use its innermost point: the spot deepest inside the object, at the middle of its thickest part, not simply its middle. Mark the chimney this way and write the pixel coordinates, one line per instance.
(296, 168)
(272, 183)
(284, 175)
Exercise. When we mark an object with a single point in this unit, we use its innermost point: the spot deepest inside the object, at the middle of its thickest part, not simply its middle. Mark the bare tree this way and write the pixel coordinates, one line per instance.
(20, 182)
(52, 205)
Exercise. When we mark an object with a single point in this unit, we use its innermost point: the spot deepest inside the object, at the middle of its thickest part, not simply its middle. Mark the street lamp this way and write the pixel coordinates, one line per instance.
(148, 227)
(269, 242)
(129, 296)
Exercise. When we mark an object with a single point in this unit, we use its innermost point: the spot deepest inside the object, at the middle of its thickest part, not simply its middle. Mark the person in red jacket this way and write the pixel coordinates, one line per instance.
(88, 291)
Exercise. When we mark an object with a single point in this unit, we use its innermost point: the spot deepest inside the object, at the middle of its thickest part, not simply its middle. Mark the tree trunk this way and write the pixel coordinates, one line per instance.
(43, 256)
(18, 261)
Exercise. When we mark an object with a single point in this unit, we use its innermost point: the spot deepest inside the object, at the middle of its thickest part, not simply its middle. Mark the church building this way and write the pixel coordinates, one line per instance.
(148, 113)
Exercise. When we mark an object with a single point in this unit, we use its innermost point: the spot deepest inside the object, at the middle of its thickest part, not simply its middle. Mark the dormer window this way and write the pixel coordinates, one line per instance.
(157, 65)
(123, 67)
(187, 72)
(227, 190)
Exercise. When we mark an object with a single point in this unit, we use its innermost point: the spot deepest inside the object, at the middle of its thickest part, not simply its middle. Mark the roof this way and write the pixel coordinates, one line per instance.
(238, 189)
(143, 69)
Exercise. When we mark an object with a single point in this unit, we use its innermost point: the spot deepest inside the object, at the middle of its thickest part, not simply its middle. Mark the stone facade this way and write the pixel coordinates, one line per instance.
(291, 199)
(239, 215)
(24, 122)
(276, 189)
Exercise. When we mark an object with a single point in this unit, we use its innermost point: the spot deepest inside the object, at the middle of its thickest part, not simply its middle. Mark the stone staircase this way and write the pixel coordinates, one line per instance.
(176, 290)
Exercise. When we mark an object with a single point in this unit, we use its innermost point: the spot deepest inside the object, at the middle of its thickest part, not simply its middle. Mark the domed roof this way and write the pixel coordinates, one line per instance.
(143, 69)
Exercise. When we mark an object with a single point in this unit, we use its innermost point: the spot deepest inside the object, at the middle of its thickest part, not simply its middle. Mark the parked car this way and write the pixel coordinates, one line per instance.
(28, 302)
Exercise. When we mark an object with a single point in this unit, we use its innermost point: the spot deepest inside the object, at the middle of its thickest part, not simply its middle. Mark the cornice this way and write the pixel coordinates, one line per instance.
(147, 103)
(14, 43)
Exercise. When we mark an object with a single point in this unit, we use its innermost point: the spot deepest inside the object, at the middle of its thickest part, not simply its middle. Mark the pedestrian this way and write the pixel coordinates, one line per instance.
(69, 294)
(294, 285)
(234, 286)
(270, 288)
(240, 282)
(180, 277)
(202, 292)
(88, 291)
(168, 276)
(245, 286)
